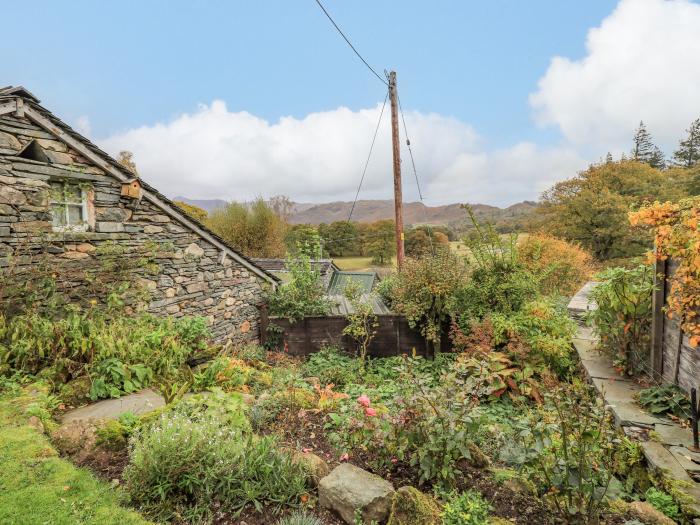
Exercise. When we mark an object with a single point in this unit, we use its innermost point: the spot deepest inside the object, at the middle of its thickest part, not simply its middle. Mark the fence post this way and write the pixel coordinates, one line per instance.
(657, 317)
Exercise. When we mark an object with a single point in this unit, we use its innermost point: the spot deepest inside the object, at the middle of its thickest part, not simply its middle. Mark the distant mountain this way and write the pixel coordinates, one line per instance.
(205, 204)
(375, 210)
(414, 212)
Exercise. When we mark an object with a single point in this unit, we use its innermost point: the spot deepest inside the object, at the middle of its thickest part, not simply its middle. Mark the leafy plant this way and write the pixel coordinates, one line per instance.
(423, 292)
(666, 399)
(362, 321)
(185, 469)
(570, 454)
(304, 294)
(622, 318)
(331, 366)
(662, 502)
(466, 508)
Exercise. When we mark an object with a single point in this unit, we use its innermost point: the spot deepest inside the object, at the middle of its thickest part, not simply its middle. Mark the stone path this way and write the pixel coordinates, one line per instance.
(138, 403)
(664, 442)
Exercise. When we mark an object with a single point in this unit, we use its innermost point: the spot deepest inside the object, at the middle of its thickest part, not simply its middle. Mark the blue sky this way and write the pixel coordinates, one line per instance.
(125, 66)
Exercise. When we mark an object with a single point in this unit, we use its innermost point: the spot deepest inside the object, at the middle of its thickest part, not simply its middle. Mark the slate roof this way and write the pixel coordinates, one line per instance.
(343, 307)
(32, 101)
(323, 266)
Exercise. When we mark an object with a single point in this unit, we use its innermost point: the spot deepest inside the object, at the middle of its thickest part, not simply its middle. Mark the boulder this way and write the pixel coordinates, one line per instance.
(412, 507)
(647, 514)
(314, 465)
(349, 488)
(76, 438)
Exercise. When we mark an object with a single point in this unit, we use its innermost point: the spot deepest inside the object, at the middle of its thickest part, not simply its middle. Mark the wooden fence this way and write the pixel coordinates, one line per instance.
(394, 337)
(673, 360)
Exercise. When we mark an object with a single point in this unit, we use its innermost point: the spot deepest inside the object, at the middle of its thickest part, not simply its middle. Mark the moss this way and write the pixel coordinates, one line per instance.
(76, 392)
(40, 487)
(412, 507)
(113, 435)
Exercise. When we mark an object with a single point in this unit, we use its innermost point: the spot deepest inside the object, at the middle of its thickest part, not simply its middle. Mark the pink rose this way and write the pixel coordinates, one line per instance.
(363, 400)
(345, 457)
(369, 411)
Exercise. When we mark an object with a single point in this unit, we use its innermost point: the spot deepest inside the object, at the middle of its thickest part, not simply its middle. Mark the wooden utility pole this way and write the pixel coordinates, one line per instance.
(398, 198)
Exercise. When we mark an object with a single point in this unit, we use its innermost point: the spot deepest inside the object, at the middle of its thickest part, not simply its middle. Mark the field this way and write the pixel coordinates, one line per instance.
(359, 264)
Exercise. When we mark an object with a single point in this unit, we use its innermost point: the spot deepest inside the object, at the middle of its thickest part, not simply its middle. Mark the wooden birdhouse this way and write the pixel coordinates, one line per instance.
(131, 189)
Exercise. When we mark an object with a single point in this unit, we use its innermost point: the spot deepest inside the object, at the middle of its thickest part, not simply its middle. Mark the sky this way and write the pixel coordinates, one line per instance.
(239, 99)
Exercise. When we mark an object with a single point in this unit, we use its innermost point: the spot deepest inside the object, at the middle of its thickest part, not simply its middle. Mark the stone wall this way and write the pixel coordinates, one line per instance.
(192, 276)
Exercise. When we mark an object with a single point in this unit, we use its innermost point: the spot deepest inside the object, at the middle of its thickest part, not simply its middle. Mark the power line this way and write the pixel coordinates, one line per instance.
(350, 43)
(415, 174)
(369, 155)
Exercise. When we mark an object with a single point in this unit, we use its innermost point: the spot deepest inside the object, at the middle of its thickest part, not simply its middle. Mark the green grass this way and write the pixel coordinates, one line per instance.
(37, 487)
(357, 263)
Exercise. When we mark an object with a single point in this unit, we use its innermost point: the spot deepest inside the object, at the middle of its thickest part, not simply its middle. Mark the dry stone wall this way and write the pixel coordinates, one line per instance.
(192, 276)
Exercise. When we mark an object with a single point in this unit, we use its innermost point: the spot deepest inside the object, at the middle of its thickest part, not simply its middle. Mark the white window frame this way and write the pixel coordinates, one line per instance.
(82, 227)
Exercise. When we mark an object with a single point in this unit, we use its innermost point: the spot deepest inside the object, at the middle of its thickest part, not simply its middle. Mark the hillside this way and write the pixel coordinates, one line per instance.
(374, 210)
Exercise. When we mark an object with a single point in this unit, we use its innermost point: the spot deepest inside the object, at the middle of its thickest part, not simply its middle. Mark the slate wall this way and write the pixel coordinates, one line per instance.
(191, 276)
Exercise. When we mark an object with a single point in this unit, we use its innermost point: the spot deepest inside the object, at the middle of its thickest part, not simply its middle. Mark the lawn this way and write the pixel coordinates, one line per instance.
(358, 263)
(38, 487)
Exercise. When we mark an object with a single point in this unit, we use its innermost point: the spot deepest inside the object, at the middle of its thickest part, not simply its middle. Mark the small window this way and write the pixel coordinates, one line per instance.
(68, 207)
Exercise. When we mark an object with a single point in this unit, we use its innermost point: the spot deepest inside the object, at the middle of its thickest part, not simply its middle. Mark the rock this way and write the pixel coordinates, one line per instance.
(245, 327)
(194, 250)
(314, 465)
(109, 227)
(348, 488)
(152, 229)
(412, 507)
(11, 196)
(85, 248)
(8, 141)
(36, 424)
(75, 438)
(647, 514)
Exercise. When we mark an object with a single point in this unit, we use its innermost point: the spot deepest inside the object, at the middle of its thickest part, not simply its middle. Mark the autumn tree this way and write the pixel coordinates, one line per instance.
(255, 230)
(688, 153)
(644, 149)
(592, 207)
(193, 211)
(424, 240)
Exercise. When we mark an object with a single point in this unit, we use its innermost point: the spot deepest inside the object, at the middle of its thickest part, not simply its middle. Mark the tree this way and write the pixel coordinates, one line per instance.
(592, 207)
(282, 206)
(362, 321)
(255, 230)
(193, 211)
(688, 153)
(126, 159)
(381, 242)
(644, 150)
(341, 238)
(423, 240)
(303, 238)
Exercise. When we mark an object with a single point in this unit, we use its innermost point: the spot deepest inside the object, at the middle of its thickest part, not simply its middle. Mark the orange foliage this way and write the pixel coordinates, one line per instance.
(676, 235)
(561, 266)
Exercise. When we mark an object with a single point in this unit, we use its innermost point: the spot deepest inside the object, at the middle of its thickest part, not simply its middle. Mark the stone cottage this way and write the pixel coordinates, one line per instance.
(60, 190)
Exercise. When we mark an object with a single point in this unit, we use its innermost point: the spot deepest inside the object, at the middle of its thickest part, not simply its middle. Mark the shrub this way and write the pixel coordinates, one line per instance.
(186, 469)
(623, 317)
(362, 322)
(423, 291)
(467, 508)
(662, 502)
(570, 454)
(304, 295)
(120, 354)
(331, 366)
(545, 328)
(561, 267)
(498, 281)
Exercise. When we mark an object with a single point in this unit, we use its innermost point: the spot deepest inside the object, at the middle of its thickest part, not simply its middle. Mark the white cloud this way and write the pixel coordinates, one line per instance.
(640, 64)
(83, 126)
(215, 153)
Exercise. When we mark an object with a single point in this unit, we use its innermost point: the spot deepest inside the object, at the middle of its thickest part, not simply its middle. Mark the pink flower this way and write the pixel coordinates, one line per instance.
(363, 400)
(345, 457)
(369, 411)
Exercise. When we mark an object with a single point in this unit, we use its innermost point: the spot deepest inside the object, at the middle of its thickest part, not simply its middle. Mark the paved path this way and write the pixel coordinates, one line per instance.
(667, 450)
(138, 403)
